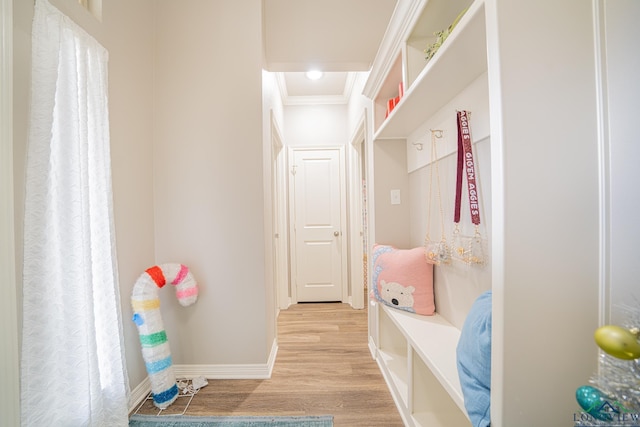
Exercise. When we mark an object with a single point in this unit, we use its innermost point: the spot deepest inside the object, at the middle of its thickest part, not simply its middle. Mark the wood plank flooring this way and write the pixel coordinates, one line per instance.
(323, 367)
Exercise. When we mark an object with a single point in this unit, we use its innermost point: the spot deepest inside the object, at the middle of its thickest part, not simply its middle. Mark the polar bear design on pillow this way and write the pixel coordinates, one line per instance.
(397, 295)
(402, 279)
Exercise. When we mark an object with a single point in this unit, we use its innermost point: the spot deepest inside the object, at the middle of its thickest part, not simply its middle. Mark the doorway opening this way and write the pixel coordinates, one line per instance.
(318, 225)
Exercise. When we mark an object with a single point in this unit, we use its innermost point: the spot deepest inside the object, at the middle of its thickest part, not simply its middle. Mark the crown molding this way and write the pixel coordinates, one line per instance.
(317, 99)
(402, 21)
(282, 85)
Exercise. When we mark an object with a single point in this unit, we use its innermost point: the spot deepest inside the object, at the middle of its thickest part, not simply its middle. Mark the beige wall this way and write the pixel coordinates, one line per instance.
(357, 104)
(391, 221)
(538, 188)
(315, 125)
(209, 195)
(130, 44)
(456, 286)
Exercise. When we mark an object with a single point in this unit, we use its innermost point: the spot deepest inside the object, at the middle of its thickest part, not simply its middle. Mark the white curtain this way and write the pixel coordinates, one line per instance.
(72, 371)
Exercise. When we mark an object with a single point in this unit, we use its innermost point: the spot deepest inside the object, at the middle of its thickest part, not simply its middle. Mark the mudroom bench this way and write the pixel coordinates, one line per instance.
(417, 357)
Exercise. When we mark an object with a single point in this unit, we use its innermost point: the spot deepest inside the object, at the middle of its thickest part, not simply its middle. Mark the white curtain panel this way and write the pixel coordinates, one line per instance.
(73, 371)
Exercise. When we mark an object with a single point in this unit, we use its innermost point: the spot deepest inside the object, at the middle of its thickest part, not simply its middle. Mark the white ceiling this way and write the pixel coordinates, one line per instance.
(299, 85)
(335, 36)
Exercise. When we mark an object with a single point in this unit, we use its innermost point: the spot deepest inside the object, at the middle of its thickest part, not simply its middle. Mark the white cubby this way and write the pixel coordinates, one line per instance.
(461, 59)
(416, 355)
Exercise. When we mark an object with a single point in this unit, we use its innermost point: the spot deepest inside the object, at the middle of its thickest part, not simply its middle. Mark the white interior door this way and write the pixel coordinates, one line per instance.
(317, 200)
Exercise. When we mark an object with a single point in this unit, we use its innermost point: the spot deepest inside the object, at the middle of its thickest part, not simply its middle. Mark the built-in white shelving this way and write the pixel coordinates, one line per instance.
(526, 71)
(417, 354)
(460, 60)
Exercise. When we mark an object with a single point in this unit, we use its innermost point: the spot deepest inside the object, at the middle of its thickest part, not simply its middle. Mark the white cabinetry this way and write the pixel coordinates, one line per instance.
(417, 354)
(460, 60)
(539, 61)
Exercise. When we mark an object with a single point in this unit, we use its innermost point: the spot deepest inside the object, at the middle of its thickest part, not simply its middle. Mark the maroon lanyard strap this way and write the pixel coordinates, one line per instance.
(465, 161)
(456, 211)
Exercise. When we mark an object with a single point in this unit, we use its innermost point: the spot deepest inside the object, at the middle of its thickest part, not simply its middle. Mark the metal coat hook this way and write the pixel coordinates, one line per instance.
(438, 133)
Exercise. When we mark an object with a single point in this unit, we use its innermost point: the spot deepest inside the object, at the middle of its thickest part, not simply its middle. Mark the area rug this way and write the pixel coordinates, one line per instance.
(229, 421)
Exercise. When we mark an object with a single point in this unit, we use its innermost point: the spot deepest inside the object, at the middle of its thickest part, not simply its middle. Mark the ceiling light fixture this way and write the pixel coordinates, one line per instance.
(314, 74)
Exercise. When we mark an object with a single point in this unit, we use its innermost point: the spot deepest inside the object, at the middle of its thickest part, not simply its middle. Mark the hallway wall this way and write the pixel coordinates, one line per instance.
(208, 178)
(315, 125)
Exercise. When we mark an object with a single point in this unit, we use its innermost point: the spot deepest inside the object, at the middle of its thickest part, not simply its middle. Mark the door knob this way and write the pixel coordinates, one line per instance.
(336, 233)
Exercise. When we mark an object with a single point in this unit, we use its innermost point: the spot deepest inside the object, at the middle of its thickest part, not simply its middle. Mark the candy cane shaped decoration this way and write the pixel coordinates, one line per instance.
(153, 338)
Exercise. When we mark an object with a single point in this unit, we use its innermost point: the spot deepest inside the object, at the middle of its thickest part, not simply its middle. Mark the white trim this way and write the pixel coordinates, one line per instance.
(372, 347)
(234, 372)
(10, 353)
(348, 86)
(282, 86)
(497, 211)
(293, 260)
(272, 357)
(360, 130)
(403, 19)
(317, 99)
(230, 371)
(281, 240)
(343, 220)
(258, 371)
(604, 173)
(138, 394)
(356, 253)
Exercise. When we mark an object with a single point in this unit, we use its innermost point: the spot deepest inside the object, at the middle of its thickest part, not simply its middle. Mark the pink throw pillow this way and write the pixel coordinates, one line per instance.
(403, 279)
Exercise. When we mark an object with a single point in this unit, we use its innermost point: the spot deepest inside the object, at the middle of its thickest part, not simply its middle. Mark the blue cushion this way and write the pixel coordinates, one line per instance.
(474, 361)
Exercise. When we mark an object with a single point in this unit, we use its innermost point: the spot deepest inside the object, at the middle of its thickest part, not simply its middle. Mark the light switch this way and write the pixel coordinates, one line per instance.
(395, 197)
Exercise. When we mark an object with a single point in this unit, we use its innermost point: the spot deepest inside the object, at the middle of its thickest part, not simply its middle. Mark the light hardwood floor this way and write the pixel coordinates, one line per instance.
(323, 367)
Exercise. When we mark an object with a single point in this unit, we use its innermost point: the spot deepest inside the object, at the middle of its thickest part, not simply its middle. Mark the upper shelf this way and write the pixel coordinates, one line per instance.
(459, 61)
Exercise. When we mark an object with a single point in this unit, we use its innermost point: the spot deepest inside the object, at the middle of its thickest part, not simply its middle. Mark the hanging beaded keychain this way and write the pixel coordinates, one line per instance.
(436, 252)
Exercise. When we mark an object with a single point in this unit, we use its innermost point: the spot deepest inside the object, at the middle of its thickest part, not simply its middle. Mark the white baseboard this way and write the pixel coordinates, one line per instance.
(138, 394)
(372, 348)
(234, 372)
(272, 356)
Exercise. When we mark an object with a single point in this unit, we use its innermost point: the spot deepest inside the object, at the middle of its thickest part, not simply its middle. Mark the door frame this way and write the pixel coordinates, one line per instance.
(357, 154)
(280, 236)
(10, 353)
(344, 227)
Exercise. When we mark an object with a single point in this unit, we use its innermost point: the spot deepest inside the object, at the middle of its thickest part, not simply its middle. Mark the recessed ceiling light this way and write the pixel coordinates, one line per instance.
(314, 74)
